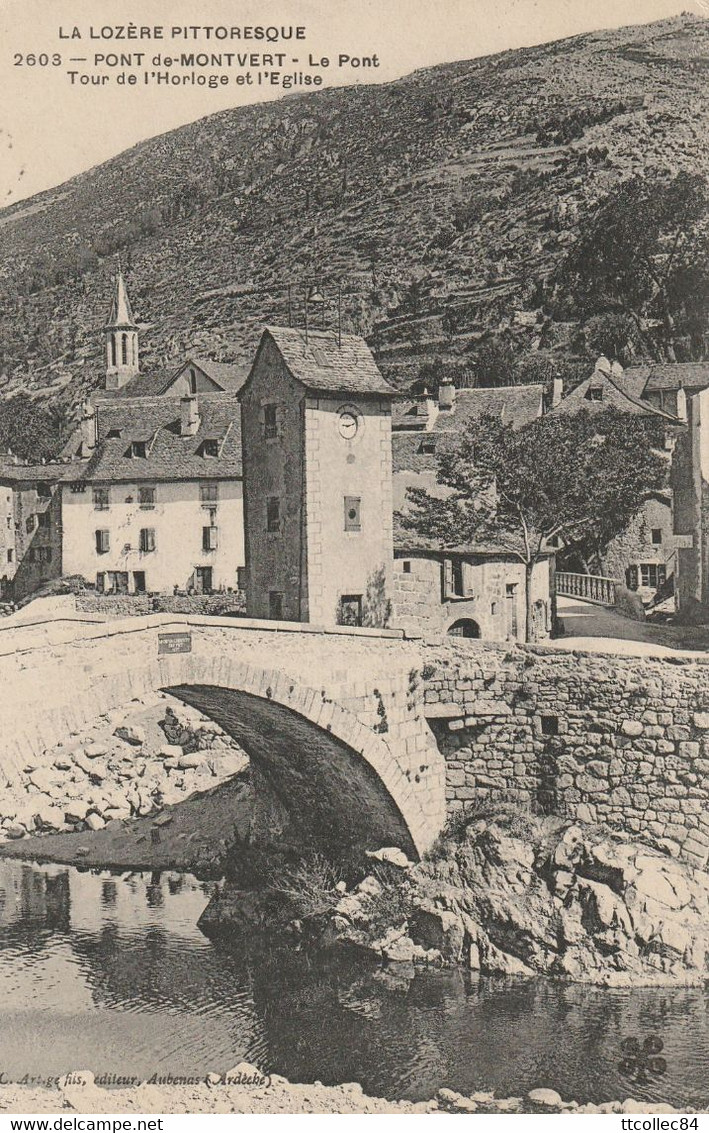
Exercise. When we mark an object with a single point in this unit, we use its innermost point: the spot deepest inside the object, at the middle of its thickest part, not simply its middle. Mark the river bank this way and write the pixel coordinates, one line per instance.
(245, 1089)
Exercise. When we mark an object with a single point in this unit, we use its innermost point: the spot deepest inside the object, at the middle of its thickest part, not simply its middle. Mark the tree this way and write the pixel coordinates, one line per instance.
(644, 251)
(494, 363)
(581, 477)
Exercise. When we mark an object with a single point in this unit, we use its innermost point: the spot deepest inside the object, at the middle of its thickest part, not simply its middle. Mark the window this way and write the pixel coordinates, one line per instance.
(273, 513)
(10, 555)
(124, 349)
(353, 513)
(100, 582)
(511, 589)
(594, 393)
(458, 587)
(146, 498)
(102, 499)
(270, 422)
(203, 579)
(493, 608)
(208, 493)
(657, 535)
(350, 610)
(43, 519)
(139, 449)
(241, 578)
(147, 539)
(44, 492)
(9, 521)
(103, 541)
(428, 446)
(550, 725)
(117, 582)
(76, 487)
(30, 523)
(112, 434)
(113, 349)
(210, 448)
(406, 566)
(193, 382)
(652, 575)
(210, 538)
(275, 605)
(139, 581)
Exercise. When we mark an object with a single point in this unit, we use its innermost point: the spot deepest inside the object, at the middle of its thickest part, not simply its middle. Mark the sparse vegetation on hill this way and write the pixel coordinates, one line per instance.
(445, 203)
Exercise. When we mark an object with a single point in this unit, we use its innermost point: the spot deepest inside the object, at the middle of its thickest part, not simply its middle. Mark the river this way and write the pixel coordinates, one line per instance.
(110, 973)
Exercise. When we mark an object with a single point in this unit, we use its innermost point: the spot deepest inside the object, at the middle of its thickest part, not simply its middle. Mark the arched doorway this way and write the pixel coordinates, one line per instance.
(464, 627)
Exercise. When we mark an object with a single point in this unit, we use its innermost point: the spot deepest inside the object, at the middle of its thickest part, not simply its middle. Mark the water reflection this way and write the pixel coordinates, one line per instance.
(111, 973)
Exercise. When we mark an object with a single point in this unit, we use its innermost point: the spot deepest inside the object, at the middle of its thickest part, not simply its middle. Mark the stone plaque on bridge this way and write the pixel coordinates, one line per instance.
(174, 643)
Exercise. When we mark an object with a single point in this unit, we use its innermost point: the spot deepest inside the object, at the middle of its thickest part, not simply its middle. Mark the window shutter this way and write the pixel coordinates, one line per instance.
(447, 577)
(102, 541)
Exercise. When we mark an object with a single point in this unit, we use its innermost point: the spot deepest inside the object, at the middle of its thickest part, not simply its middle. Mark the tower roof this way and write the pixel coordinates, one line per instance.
(121, 314)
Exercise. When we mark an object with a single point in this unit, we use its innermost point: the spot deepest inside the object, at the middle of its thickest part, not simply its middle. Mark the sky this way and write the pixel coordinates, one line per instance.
(51, 130)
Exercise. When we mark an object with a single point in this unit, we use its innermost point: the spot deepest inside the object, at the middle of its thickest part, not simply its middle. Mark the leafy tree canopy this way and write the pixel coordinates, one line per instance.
(581, 477)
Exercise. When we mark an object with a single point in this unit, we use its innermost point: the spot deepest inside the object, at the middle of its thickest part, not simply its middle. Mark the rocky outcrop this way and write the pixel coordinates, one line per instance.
(121, 768)
(552, 898)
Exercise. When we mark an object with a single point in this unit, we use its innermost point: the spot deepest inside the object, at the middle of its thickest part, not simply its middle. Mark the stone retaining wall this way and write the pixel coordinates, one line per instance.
(611, 739)
(134, 605)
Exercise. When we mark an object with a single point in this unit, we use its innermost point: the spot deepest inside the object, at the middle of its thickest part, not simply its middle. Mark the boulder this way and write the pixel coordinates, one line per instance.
(93, 751)
(47, 814)
(545, 1097)
(94, 821)
(130, 734)
(436, 928)
(170, 751)
(76, 810)
(191, 760)
(14, 829)
(392, 856)
(43, 779)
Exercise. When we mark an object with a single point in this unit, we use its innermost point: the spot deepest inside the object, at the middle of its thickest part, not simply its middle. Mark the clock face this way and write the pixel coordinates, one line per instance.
(348, 424)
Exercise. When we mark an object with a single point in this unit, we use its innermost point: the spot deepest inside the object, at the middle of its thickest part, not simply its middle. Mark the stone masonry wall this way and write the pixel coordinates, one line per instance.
(610, 739)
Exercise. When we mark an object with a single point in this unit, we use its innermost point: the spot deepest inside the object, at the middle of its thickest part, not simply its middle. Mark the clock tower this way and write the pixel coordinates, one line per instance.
(316, 442)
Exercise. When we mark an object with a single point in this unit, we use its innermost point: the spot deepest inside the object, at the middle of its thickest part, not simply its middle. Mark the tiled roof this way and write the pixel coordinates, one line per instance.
(324, 366)
(673, 375)
(169, 455)
(616, 394)
(121, 314)
(409, 413)
(514, 405)
(142, 385)
(411, 543)
(52, 472)
(229, 376)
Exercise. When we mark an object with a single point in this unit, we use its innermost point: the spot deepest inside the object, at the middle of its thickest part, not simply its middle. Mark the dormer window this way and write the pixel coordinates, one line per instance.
(138, 449)
(594, 393)
(428, 446)
(112, 434)
(210, 447)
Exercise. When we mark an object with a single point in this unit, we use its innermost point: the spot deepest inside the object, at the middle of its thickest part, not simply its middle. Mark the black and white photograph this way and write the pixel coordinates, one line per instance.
(354, 560)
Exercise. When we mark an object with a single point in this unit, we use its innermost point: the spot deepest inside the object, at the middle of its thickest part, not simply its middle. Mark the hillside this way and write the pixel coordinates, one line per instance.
(443, 202)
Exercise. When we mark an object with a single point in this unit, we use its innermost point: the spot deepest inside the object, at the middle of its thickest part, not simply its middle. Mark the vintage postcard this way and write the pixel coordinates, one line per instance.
(354, 558)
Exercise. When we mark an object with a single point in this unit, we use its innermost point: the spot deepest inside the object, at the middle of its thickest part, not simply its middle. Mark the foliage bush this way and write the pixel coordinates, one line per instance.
(629, 604)
(309, 888)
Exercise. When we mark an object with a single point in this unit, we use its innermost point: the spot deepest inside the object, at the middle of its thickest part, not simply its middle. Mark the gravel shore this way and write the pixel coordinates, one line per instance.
(244, 1089)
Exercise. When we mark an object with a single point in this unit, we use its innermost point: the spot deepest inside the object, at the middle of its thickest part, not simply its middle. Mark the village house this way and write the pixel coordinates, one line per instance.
(316, 426)
(468, 591)
(690, 481)
(644, 556)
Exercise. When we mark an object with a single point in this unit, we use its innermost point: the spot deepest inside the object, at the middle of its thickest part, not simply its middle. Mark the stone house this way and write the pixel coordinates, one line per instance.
(30, 526)
(316, 426)
(644, 555)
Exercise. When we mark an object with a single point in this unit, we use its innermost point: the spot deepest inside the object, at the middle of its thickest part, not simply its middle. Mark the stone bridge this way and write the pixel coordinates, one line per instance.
(332, 720)
(369, 738)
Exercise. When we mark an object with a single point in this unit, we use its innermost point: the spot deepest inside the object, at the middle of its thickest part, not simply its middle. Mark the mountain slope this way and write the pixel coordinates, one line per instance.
(442, 202)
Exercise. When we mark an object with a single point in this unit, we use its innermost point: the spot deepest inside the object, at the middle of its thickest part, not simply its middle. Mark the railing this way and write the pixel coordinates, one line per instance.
(590, 587)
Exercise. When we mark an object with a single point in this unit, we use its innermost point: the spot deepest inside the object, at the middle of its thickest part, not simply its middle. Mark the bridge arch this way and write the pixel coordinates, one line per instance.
(331, 771)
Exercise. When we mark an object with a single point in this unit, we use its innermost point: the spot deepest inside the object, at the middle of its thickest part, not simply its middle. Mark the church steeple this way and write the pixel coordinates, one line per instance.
(121, 334)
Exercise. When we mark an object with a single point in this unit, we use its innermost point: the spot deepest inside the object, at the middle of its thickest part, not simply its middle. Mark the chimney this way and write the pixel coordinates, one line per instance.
(557, 392)
(446, 396)
(431, 410)
(88, 428)
(189, 416)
